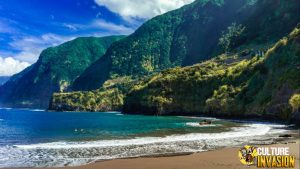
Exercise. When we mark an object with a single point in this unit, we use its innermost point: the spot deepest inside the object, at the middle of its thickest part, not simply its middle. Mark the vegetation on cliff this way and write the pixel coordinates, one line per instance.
(55, 70)
(229, 85)
(253, 83)
(295, 102)
(108, 98)
(256, 76)
(190, 35)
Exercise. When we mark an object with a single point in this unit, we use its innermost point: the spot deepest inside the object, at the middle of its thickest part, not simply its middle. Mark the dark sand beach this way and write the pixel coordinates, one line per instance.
(226, 158)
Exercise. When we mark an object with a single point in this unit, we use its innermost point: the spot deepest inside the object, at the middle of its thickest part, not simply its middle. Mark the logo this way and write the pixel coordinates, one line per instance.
(247, 155)
(266, 157)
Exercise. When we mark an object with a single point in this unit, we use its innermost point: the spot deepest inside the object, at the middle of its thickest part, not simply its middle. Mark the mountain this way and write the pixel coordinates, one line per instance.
(249, 83)
(191, 34)
(238, 85)
(194, 33)
(110, 97)
(55, 70)
(3, 79)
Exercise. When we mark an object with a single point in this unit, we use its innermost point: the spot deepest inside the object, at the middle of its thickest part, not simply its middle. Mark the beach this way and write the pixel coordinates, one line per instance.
(226, 158)
(147, 142)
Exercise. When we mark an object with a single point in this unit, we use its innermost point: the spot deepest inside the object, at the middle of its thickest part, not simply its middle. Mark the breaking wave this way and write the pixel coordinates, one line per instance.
(57, 154)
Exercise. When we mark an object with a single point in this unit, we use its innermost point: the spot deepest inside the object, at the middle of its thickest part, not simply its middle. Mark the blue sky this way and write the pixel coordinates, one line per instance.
(29, 26)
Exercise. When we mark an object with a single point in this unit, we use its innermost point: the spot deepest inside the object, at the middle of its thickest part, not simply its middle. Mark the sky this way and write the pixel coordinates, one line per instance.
(29, 26)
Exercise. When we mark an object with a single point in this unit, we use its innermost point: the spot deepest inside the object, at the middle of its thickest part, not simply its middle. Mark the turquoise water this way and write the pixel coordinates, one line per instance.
(35, 138)
(19, 126)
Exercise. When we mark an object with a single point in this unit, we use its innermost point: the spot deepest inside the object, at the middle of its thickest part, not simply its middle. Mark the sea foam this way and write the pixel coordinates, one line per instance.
(196, 124)
(249, 130)
(58, 154)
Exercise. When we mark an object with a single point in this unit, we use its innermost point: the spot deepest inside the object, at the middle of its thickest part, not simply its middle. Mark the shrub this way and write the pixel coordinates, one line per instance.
(295, 102)
(230, 35)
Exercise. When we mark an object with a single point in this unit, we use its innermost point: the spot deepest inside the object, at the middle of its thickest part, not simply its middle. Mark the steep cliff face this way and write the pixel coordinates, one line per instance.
(257, 75)
(191, 34)
(250, 83)
(108, 98)
(55, 70)
(237, 85)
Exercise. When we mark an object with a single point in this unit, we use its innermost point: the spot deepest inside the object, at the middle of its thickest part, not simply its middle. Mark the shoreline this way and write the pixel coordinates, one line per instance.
(224, 158)
(145, 147)
(247, 119)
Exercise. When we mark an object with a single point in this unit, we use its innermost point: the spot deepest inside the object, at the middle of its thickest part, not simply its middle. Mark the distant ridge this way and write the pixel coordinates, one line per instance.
(55, 70)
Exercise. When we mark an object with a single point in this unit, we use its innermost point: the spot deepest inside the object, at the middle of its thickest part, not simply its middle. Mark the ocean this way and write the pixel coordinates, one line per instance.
(37, 138)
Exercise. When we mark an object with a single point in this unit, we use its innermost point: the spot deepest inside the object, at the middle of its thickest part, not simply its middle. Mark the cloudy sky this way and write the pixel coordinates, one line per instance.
(29, 26)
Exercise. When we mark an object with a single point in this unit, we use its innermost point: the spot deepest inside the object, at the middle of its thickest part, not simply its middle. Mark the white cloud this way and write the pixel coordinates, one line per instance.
(5, 27)
(98, 15)
(100, 25)
(31, 46)
(112, 27)
(70, 26)
(10, 66)
(130, 9)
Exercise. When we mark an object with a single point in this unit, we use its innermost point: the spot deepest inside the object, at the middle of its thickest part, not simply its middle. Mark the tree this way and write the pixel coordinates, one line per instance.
(295, 102)
(226, 41)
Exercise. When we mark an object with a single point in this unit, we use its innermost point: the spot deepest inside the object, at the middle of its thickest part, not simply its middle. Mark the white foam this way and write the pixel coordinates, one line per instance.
(195, 124)
(112, 112)
(248, 130)
(59, 154)
(202, 118)
(5, 108)
(37, 110)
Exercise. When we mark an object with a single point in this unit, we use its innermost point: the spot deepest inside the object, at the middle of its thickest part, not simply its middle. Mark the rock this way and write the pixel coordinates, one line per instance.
(205, 122)
(285, 135)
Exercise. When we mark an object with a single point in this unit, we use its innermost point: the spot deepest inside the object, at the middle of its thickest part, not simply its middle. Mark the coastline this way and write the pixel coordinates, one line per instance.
(217, 159)
(89, 153)
(53, 154)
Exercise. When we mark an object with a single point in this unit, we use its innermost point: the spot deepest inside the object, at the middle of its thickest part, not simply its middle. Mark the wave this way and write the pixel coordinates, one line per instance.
(27, 109)
(249, 130)
(195, 124)
(6, 108)
(201, 118)
(36, 110)
(112, 112)
(58, 154)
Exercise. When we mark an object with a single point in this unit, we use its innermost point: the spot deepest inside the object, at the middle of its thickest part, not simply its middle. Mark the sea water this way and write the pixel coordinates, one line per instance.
(37, 138)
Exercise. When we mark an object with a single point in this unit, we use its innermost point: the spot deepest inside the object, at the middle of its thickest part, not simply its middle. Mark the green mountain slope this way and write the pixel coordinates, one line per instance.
(110, 97)
(55, 70)
(243, 84)
(238, 85)
(191, 34)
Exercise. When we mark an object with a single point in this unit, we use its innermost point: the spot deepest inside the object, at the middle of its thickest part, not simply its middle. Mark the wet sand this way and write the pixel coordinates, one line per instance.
(226, 158)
